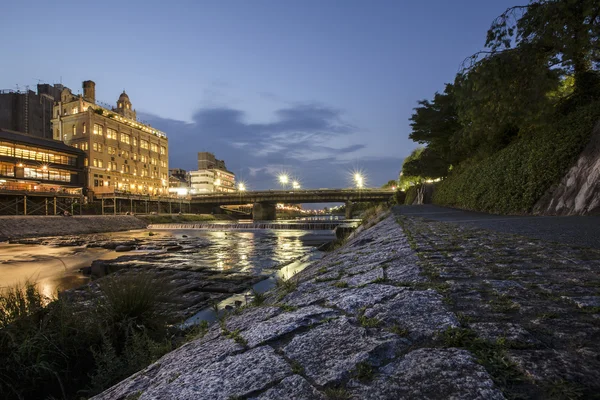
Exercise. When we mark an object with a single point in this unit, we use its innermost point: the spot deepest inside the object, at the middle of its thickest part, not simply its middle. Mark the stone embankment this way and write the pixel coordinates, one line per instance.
(12, 227)
(363, 322)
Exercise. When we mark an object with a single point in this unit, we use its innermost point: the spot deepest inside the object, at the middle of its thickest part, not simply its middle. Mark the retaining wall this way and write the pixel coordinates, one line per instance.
(12, 227)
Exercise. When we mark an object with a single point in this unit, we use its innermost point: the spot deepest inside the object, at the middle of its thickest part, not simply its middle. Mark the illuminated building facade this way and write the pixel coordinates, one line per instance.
(34, 164)
(212, 176)
(122, 154)
(179, 182)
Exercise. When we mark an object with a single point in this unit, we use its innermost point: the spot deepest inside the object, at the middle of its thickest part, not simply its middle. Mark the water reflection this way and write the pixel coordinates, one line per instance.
(57, 268)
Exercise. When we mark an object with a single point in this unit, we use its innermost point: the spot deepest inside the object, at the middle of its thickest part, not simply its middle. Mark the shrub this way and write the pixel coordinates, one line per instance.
(512, 180)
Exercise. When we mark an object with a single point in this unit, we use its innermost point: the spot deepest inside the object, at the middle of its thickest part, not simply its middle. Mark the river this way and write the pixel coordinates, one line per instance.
(270, 252)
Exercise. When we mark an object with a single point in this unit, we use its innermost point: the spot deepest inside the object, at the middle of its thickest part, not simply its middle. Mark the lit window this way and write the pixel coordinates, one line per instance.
(135, 141)
(144, 144)
(74, 130)
(163, 150)
(84, 128)
(97, 129)
(124, 138)
(111, 134)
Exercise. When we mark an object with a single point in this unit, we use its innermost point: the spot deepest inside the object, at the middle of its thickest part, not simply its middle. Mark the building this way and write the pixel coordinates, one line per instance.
(122, 154)
(29, 112)
(33, 164)
(179, 182)
(212, 176)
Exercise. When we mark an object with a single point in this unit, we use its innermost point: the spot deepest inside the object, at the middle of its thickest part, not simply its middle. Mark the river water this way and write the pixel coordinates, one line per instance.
(271, 252)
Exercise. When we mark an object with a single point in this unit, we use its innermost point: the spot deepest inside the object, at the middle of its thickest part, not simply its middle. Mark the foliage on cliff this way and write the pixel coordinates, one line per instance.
(518, 113)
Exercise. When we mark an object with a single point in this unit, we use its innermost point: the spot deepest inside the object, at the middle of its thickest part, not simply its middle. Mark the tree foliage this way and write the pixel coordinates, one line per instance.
(538, 69)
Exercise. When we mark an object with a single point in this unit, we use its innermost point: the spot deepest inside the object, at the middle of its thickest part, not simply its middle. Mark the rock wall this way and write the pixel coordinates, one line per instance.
(579, 191)
(12, 227)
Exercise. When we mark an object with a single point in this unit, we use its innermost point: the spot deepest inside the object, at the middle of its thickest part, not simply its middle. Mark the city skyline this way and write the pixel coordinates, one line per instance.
(315, 90)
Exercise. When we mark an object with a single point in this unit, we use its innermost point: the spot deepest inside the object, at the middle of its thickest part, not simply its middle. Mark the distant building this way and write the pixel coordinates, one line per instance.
(179, 182)
(29, 112)
(29, 163)
(212, 176)
(123, 155)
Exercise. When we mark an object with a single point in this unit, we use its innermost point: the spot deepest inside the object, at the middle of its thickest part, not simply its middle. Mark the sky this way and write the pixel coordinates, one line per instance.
(316, 89)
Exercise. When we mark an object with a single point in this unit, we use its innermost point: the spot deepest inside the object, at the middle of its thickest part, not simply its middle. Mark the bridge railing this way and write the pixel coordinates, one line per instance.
(291, 191)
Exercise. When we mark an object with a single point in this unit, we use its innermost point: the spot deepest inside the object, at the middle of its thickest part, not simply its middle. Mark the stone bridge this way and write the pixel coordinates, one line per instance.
(264, 201)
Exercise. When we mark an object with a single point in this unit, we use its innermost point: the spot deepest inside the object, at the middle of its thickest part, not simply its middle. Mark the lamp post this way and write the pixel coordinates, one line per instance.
(359, 180)
(283, 179)
(296, 185)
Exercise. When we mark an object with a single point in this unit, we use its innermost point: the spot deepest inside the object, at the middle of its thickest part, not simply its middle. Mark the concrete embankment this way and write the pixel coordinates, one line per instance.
(13, 227)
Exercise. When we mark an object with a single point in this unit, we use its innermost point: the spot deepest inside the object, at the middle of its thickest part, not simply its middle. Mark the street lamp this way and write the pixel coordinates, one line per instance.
(359, 179)
(296, 185)
(283, 179)
(241, 187)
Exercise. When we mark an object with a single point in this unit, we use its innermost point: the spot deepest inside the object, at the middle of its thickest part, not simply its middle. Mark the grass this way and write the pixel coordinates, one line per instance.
(492, 355)
(258, 298)
(58, 348)
(339, 393)
(297, 368)
(363, 372)
(398, 330)
(235, 335)
(285, 286)
(504, 304)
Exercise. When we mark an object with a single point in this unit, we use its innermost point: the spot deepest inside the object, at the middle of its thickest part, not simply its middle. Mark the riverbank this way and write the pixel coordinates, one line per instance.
(408, 308)
(14, 227)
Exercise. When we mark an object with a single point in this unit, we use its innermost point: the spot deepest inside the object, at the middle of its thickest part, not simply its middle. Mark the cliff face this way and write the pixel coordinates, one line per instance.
(579, 191)
(31, 226)
(359, 323)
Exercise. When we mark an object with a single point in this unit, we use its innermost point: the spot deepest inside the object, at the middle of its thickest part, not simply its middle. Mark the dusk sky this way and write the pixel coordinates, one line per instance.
(314, 88)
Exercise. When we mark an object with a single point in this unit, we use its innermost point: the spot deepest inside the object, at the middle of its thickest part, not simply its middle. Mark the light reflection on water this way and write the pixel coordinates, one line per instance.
(57, 268)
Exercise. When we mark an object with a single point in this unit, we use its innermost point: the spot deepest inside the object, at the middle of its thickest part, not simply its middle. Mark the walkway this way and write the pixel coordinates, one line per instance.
(574, 230)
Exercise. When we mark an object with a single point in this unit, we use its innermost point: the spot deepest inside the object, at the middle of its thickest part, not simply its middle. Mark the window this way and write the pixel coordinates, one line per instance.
(97, 147)
(85, 162)
(143, 158)
(111, 134)
(163, 149)
(135, 141)
(134, 156)
(144, 144)
(97, 129)
(75, 110)
(112, 166)
(95, 162)
(85, 146)
(154, 147)
(74, 130)
(84, 128)
(112, 150)
(124, 138)
(125, 154)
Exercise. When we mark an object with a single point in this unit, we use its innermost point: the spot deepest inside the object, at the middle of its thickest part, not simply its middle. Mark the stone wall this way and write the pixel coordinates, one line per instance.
(578, 192)
(12, 227)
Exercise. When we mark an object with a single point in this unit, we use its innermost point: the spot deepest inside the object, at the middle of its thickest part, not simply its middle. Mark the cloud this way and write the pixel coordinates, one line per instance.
(311, 142)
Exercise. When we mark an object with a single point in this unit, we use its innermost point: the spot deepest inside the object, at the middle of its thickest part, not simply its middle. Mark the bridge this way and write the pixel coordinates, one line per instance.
(264, 201)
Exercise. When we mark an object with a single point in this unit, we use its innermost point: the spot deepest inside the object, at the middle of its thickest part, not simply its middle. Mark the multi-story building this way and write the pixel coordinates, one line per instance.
(123, 155)
(33, 164)
(29, 112)
(179, 182)
(212, 176)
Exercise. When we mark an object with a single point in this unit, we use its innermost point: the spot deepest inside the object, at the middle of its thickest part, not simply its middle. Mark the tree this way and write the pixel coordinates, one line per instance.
(564, 32)
(436, 124)
(390, 184)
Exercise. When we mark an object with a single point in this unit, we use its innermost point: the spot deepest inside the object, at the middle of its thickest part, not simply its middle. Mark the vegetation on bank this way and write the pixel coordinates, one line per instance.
(62, 348)
(517, 114)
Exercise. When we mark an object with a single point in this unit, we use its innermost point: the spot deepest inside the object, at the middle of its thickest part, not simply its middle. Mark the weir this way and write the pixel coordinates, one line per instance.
(327, 226)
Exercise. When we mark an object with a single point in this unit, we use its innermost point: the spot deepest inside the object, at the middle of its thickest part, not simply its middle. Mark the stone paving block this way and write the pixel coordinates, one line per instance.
(554, 365)
(421, 312)
(308, 293)
(352, 300)
(249, 316)
(404, 270)
(585, 301)
(187, 359)
(329, 352)
(492, 331)
(293, 387)
(431, 374)
(285, 323)
(236, 375)
(364, 278)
